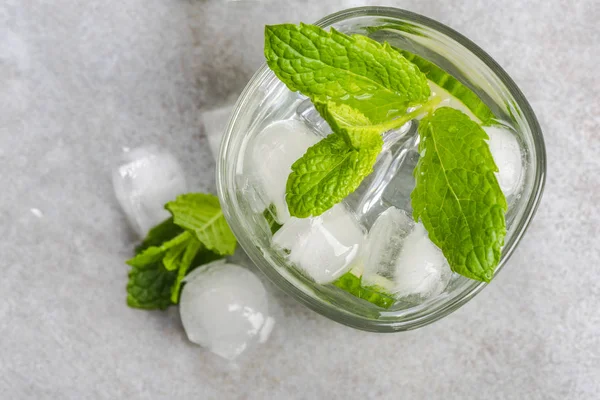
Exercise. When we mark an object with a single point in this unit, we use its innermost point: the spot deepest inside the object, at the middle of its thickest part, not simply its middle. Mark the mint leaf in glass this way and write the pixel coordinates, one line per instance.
(269, 215)
(453, 86)
(457, 195)
(353, 285)
(368, 76)
(329, 171)
(357, 128)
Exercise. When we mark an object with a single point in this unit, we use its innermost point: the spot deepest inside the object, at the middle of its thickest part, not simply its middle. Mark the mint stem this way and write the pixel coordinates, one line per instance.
(426, 108)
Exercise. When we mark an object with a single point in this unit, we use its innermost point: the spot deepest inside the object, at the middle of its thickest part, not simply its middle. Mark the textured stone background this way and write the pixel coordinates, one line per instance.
(80, 80)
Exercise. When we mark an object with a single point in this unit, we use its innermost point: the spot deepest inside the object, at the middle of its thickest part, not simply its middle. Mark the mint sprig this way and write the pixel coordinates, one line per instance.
(328, 172)
(457, 195)
(359, 72)
(362, 89)
(197, 234)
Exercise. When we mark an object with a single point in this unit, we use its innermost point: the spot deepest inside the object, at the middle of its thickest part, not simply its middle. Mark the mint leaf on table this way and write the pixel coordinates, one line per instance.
(201, 214)
(161, 233)
(155, 271)
(457, 195)
(155, 253)
(173, 256)
(452, 86)
(329, 171)
(175, 247)
(149, 285)
(183, 266)
(359, 72)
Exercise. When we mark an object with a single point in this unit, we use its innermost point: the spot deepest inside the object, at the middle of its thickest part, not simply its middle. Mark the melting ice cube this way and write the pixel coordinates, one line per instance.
(147, 179)
(274, 150)
(224, 308)
(507, 155)
(215, 122)
(422, 270)
(385, 242)
(324, 246)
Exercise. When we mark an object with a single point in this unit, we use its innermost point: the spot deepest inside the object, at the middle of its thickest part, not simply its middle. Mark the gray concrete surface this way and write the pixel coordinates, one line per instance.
(80, 80)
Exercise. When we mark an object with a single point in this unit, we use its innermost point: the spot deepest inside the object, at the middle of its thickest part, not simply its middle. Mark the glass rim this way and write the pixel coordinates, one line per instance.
(422, 317)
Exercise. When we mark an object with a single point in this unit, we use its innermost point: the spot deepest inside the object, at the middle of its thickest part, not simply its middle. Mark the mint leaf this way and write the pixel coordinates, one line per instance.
(269, 215)
(152, 275)
(175, 247)
(354, 70)
(329, 171)
(183, 266)
(356, 127)
(201, 214)
(156, 253)
(173, 256)
(353, 285)
(149, 286)
(457, 195)
(452, 86)
(161, 233)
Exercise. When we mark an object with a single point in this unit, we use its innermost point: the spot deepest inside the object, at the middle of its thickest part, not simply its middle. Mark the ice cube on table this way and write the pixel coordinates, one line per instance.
(215, 122)
(147, 178)
(384, 243)
(506, 151)
(421, 270)
(224, 308)
(324, 247)
(273, 151)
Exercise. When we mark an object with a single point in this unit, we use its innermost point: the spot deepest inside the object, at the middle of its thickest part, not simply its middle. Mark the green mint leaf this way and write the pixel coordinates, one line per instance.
(196, 254)
(329, 171)
(161, 233)
(356, 127)
(173, 256)
(368, 76)
(453, 86)
(353, 285)
(156, 253)
(149, 286)
(183, 266)
(457, 195)
(152, 274)
(269, 215)
(201, 214)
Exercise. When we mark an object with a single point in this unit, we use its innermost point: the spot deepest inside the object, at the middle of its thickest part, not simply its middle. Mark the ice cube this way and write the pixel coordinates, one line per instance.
(384, 244)
(224, 308)
(147, 178)
(507, 155)
(422, 270)
(215, 122)
(309, 114)
(274, 150)
(324, 246)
